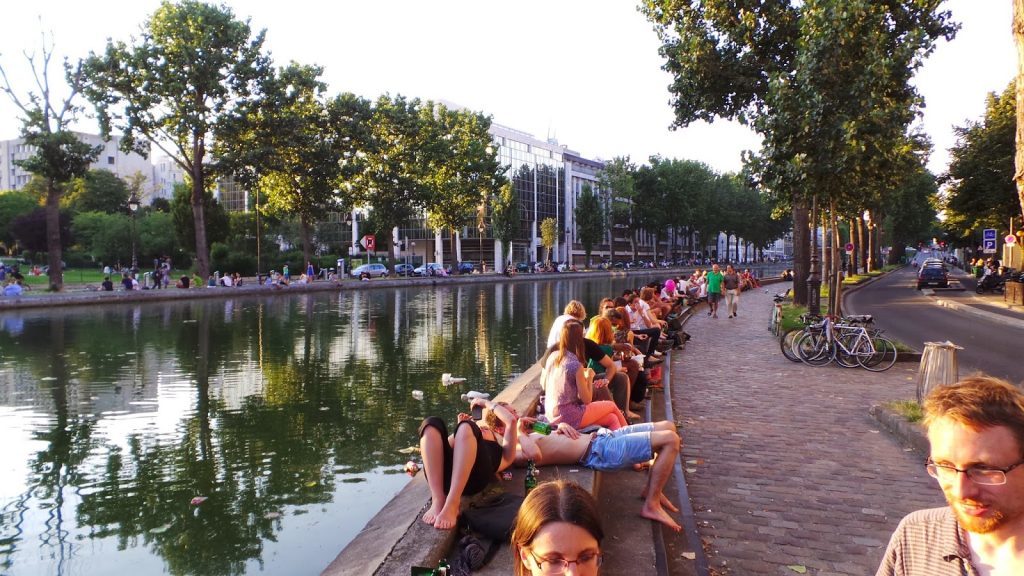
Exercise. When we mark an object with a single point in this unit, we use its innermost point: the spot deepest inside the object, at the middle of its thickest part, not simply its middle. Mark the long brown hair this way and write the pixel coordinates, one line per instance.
(555, 501)
(571, 340)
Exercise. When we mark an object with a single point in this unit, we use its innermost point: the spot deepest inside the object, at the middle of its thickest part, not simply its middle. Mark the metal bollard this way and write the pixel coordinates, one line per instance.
(939, 367)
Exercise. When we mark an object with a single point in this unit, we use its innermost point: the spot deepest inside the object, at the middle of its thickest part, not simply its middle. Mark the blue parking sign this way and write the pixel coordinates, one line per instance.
(989, 234)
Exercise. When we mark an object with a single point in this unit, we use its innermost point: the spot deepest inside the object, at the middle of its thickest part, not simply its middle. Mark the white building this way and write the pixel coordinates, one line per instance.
(111, 158)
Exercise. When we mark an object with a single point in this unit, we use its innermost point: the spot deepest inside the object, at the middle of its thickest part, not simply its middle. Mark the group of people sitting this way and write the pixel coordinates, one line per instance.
(593, 378)
(695, 287)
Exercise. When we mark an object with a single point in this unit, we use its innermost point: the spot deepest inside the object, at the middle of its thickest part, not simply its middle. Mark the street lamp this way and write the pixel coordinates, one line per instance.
(483, 261)
(133, 207)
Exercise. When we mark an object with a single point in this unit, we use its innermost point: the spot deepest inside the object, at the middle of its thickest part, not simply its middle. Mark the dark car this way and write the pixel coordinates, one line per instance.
(523, 267)
(932, 276)
(404, 269)
(466, 267)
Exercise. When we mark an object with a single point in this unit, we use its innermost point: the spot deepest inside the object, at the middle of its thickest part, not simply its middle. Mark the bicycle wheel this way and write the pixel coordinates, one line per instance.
(883, 357)
(814, 349)
(849, 359)
(774, 326)
(788, 343)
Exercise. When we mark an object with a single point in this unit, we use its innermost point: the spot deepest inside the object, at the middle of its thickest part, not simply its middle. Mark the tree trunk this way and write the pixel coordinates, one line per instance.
(198, 214)
(826, 255)
(304, 233)
(1018, 37)
(862, 247)
(854, 260)
(53, 250)
(801, 256)
(835, 289)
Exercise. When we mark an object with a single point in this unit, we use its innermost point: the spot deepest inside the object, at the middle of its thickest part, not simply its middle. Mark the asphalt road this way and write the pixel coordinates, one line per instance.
(913, 318)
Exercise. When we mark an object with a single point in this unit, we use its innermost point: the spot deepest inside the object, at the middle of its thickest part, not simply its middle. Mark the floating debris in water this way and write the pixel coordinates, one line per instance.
(417, 394)
(48, 378)
(198, 500)
(409, 450)
(411, 467)
(311, 483)
(161, 529)
(272, 515)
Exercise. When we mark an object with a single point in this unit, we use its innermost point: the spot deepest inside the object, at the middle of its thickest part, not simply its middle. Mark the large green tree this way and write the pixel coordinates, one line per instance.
(216, 220)
(283, 146)
(590, 221)
(179, 81)
(980, 191)
(825, 82)
(58, 155)
(617, 178)
(461, 168)
(97, 191)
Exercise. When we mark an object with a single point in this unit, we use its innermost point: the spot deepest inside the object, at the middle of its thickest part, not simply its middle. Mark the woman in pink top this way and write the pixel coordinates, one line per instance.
(569, 386)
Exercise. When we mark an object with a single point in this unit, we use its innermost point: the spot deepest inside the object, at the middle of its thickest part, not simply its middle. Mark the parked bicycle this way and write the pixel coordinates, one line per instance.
(847, 342)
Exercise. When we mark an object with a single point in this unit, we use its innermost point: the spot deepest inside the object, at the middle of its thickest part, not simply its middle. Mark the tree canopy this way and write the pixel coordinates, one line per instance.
(175, 86)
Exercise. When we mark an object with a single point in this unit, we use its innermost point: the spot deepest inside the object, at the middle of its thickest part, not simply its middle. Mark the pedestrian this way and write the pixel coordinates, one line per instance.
(286, 273)
(309, 271)
(715, 289)
(732, 285)
(976, 432)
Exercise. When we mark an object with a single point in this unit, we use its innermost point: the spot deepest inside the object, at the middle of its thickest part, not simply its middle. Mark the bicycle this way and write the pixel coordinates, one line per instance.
(787, 343)
(854, 345)
(775, 323)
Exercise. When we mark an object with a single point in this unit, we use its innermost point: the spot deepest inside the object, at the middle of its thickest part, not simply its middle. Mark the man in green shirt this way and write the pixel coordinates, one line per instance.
(715, 290)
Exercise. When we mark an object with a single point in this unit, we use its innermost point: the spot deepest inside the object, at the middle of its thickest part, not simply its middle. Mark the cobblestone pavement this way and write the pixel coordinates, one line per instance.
(784, 465)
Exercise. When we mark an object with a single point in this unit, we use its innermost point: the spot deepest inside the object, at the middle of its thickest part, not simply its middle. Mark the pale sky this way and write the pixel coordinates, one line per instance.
(586, 72)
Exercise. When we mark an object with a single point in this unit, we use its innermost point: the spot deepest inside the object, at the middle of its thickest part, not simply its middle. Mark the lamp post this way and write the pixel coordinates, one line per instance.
(133, 207)
(483, 261)
(870, 264)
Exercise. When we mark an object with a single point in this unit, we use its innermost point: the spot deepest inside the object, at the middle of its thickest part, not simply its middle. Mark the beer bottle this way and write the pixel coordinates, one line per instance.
(531, 476)
(542, 427)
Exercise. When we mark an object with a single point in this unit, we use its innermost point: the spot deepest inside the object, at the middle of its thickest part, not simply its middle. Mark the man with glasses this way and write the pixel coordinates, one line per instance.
(976, 432)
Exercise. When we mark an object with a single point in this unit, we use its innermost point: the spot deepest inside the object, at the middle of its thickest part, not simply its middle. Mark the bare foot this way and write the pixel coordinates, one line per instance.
(658, 514)
(447, 518)
(633, 416)
(668, 503)
(430, 516)
(640, 467)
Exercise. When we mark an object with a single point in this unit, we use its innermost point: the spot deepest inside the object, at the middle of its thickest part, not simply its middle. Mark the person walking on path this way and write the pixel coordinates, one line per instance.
(731, 283)
(976, 432)
(715, 289)
(783, 464)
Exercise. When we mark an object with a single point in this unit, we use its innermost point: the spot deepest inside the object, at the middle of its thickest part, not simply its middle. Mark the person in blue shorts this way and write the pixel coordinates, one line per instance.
(629, 446)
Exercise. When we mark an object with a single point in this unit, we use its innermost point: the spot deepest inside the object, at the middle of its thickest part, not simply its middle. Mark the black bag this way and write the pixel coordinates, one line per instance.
(493, 517)
(675, 322)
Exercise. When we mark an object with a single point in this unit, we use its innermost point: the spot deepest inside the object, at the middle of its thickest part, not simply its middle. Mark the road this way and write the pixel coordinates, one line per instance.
(912, 317)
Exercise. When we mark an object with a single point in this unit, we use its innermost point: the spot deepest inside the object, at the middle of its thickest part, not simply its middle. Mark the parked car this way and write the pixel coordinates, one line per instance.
(374, 270)
(404, 269)
(932, 276)
(466, 267)
(429, 269)
(522, 267)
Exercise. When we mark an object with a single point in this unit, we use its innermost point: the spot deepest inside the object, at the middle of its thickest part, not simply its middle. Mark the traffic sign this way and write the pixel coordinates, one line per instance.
(1010, 239)
(849, 247)
(369, 242)
(989, 234)
(988, 246)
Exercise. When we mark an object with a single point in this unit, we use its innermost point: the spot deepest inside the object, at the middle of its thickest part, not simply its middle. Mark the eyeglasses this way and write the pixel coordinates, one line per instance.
(555, 566)
(982, 475)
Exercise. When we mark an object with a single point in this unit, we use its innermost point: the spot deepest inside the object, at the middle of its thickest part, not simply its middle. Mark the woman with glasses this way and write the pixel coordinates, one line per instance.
(558, 526)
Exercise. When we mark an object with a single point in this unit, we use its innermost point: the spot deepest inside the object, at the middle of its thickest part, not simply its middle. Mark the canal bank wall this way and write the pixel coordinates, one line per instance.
(82, 295)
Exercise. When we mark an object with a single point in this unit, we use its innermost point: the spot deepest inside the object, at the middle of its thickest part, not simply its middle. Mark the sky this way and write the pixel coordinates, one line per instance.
(586, 72)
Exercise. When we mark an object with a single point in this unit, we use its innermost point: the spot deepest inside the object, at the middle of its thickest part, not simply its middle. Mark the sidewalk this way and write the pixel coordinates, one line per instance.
(784, 465)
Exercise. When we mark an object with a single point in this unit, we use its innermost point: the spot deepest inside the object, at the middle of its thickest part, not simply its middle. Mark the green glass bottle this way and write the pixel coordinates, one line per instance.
(542, 427)
(531, 476)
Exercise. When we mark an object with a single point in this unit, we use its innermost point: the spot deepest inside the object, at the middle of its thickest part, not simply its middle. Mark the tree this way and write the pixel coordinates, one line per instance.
(216, 220)
(505, 217)
(1018, 37)
(824, 81)
(462, 168)
(105, 237)
(59, 156)
(181, 81)
(284, 146)
(981, 192)
(33, 233)
(13, 203)
(617, 179)
(97, 191)
(549, 235)
(589, 220)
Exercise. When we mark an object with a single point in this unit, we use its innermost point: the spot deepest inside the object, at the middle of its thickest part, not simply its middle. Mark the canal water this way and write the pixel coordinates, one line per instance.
(244, 435)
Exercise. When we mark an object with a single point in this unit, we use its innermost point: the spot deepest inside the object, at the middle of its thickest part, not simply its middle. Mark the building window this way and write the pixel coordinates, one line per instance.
(110, 160)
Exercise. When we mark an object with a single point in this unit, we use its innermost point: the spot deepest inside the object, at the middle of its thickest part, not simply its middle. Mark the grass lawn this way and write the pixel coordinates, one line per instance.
(88, 276)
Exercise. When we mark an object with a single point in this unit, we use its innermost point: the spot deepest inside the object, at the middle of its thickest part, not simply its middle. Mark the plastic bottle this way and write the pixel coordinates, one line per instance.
(531, 476)
(443, 568)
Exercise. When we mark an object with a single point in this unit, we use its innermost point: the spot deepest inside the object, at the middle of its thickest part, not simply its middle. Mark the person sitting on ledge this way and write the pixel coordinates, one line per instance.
(631, 446)
(183, 282)
(464, 463)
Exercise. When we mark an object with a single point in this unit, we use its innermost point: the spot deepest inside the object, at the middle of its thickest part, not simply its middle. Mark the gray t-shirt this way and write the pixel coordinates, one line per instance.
(928, 543)
(732, 281)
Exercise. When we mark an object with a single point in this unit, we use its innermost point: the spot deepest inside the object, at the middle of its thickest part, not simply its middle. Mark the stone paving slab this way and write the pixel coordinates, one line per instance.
(784, 464)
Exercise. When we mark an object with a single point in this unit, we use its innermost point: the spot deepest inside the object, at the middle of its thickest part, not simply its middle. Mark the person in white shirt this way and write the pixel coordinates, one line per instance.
(574, 310)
